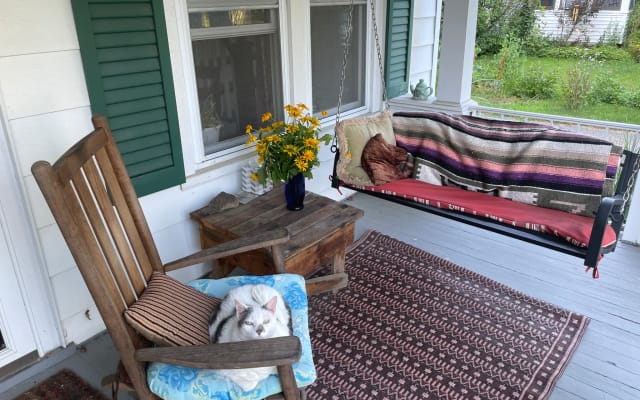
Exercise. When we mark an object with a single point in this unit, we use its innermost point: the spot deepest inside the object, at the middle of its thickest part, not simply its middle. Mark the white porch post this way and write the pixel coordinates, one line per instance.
(297, 73)
(453, 90)
(631, 232)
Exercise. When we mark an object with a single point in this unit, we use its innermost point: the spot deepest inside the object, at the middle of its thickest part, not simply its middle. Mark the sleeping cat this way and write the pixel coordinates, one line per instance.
(249, 312)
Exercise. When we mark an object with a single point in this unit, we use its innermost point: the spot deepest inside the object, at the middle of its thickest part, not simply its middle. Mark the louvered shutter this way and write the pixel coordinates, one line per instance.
(398, 47)
(125, 55)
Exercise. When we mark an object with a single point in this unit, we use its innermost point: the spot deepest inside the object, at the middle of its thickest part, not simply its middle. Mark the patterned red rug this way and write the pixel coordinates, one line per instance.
(411, 325)
(64, 385)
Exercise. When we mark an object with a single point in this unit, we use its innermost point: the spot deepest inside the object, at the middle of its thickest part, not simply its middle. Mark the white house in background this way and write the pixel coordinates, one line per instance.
(556, 20)
(178, 81)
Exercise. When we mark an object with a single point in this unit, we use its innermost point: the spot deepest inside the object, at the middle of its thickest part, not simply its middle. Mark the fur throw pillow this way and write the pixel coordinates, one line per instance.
(385, 162)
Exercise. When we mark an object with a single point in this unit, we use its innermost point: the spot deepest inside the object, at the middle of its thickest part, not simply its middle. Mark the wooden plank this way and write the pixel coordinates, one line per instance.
(127, 219)
(95, 221)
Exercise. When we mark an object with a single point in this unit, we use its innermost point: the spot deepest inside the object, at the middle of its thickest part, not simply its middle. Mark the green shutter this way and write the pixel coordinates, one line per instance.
(125, 55)
(398, 47)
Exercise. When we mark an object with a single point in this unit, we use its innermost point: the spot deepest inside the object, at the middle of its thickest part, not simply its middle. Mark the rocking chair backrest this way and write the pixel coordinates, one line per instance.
(97, 210)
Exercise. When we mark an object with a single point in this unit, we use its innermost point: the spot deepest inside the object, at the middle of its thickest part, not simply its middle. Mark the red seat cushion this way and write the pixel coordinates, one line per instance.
(575, 229)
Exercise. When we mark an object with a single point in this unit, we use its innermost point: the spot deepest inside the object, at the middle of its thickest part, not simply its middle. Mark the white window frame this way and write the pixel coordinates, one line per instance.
(295, 38)
(227, 32)
(352, 49)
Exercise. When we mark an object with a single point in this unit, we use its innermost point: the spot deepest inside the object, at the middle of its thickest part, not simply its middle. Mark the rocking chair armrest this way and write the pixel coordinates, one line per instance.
(236, 246)
(246, 354)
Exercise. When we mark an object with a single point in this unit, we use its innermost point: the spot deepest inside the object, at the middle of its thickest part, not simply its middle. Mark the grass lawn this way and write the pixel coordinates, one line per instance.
(627, 73)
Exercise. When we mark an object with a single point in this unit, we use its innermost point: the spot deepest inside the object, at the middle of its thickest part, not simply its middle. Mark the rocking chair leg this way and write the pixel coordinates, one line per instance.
(288, 382)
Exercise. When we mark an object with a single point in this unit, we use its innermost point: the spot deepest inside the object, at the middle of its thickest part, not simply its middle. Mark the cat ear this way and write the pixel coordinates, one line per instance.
(240, 308)
(271, 304)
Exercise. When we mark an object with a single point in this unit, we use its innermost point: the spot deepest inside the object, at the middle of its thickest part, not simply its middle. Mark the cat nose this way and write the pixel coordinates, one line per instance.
(259, 330)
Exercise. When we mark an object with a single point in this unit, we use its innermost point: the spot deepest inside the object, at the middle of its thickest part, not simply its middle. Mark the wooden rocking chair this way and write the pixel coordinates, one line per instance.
(94, 203)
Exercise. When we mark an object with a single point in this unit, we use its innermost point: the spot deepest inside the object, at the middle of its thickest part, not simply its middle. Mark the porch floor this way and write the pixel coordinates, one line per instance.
(605, 366)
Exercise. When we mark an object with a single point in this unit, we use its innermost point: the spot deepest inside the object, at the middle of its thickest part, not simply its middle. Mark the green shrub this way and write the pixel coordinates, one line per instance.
(633, 24)
(633, 99)
(532, 84)
(607, 90)
(537, 45)
(575, 87)
(633, 45)
(510, 60)
(498, 19)
(632, 33)
(597, 53)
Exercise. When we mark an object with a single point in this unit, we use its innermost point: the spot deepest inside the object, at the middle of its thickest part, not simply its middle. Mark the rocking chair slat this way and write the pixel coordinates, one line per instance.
(95, 223)
(115, 205)
(126, 269)
(131, 199)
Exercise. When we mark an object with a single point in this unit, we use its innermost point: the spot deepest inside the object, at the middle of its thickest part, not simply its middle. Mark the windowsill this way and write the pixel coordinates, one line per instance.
(218, 167)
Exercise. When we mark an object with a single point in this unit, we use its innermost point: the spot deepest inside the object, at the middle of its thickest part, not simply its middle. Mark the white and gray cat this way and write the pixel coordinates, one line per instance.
(246, 313)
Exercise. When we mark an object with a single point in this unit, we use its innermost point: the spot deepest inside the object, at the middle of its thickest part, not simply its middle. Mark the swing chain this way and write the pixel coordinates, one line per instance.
(334, 145)
(379, 51)
(345, 58)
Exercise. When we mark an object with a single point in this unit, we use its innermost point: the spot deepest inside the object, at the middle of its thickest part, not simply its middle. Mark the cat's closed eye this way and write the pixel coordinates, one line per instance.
(266, 321)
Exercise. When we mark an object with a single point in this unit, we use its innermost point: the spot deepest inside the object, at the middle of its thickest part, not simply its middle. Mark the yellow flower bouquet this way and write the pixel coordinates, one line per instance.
(287, 148)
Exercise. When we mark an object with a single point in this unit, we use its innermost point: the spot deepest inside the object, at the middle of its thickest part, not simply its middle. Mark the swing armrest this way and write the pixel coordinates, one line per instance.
(236, 246)
(610, 208)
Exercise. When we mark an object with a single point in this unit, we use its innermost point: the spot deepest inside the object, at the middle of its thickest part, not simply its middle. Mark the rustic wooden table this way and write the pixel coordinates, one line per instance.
(319, 233)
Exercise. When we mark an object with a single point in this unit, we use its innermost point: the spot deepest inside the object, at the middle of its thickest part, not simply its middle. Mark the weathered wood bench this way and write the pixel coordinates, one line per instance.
(536, 183)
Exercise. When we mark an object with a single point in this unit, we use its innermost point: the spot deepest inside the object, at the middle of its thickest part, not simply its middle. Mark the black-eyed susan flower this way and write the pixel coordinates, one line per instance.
(287, 148)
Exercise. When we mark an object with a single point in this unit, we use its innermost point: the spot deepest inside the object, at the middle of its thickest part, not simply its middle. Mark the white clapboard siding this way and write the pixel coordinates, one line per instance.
(35, 26)
(47, 136)
(423, 39)
(603, 23)
(41, 83)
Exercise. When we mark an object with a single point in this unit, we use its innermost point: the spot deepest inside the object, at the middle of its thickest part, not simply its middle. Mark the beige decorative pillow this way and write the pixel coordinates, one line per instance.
(353, 134)
(170, 313)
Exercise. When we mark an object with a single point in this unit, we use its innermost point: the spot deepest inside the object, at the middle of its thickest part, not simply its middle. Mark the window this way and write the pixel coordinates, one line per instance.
(236, 55)
(328, 31)
(613, 5)
(548, 4)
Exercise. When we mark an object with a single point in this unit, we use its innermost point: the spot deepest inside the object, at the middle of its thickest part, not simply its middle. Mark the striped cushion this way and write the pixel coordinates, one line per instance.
(529, 163)
(574, 229)
(170, 313)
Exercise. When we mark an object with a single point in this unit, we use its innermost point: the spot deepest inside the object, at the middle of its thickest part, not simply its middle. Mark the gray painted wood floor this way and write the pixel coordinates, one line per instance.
(606, 364)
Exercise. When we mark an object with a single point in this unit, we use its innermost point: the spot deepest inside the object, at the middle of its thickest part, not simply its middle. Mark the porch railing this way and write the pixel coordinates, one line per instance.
(625, 135)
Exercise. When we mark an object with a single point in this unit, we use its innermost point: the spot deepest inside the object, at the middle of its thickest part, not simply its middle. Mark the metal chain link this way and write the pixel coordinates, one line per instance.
(379, 51)
(345, 57)
(344, 67)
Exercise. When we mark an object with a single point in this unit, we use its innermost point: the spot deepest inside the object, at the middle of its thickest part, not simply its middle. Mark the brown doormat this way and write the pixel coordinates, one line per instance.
(411, 325)
(64, 385)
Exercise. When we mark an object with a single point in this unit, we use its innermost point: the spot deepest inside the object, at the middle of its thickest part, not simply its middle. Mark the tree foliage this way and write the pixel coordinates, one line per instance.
(632, 33)
(498, 19)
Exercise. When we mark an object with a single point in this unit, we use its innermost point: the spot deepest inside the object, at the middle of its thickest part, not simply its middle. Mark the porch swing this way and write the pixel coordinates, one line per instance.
(549, 187)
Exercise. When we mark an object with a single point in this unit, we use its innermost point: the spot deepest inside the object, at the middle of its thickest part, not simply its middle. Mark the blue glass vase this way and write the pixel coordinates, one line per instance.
(294, 192)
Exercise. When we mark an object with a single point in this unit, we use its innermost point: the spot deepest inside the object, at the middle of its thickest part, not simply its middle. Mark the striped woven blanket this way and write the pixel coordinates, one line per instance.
(530, 163)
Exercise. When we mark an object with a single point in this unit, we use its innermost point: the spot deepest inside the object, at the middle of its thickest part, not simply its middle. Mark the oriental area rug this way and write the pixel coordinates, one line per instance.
(64, 385)
(411, 325)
